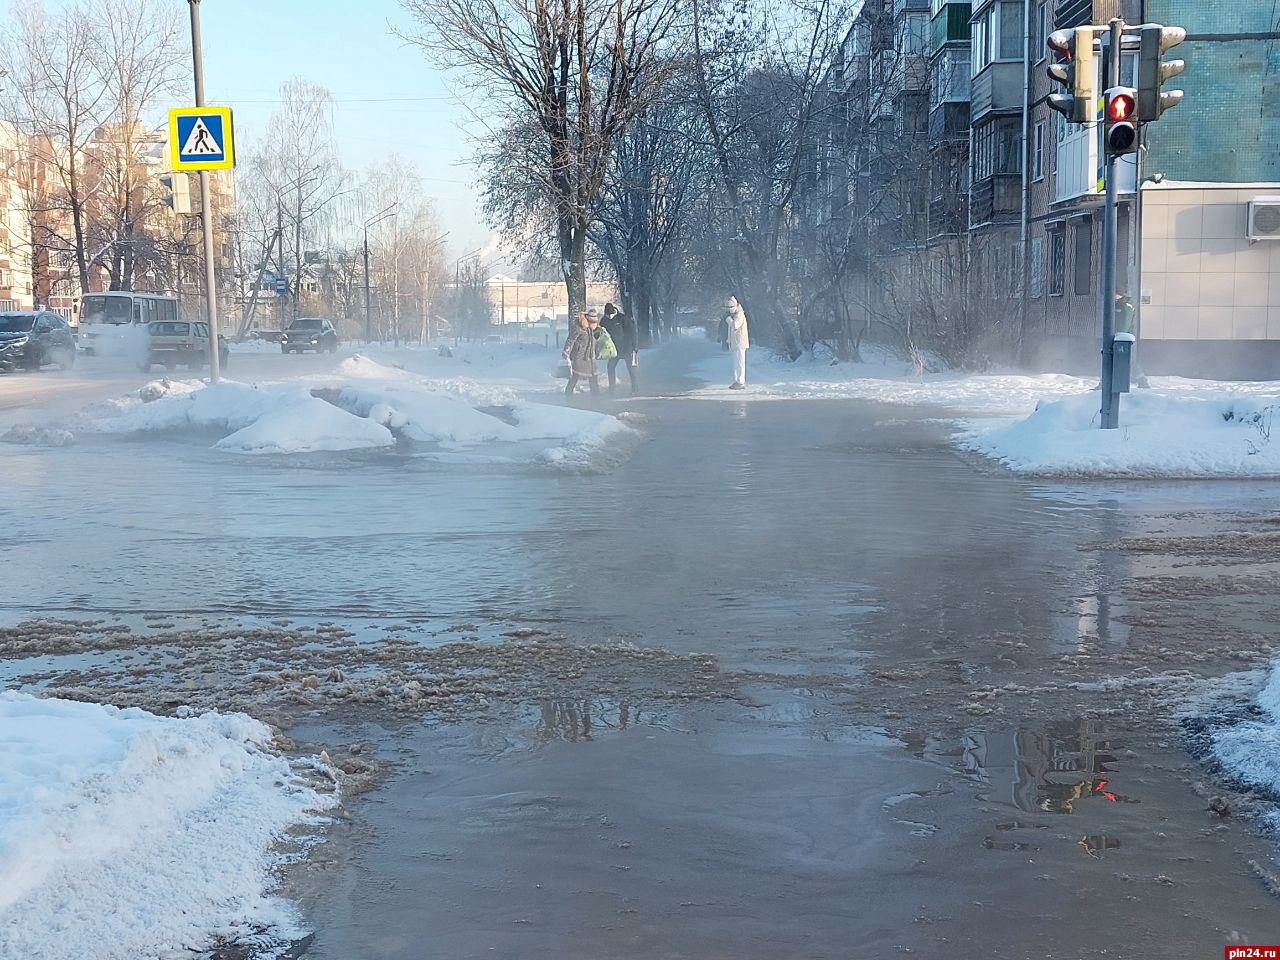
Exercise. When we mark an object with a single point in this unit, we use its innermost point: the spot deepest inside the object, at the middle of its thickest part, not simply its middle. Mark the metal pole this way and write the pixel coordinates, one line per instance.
(1110, 413)
(206, 207)
(279, 260)
(368, 321)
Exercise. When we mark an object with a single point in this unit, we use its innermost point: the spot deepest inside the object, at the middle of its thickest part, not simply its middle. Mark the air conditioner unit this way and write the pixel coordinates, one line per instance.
(1264, 218)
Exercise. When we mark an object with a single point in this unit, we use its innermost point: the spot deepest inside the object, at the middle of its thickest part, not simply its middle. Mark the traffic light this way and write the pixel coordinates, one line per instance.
(1075, 72)
(177, 192)
(1121, 135)
(1154, 70)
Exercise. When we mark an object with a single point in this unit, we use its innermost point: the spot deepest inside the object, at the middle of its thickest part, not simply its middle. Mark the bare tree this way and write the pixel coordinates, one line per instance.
(56, 99)
(298, 173)
(574, 73)
(646, 201)
(139, 53)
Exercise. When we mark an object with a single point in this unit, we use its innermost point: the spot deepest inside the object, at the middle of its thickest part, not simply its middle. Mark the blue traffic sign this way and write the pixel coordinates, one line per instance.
(282, 286)
(201, 138)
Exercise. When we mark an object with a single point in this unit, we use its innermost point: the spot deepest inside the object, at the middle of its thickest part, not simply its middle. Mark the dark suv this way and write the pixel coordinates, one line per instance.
(31, 338)
(309, 333)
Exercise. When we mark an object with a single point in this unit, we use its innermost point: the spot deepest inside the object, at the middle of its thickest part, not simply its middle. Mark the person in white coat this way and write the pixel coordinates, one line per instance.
(739, 342)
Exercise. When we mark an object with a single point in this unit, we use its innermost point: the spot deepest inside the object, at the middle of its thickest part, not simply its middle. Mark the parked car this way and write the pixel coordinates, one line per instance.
(309, 333)
(31, 338)
(171, 342)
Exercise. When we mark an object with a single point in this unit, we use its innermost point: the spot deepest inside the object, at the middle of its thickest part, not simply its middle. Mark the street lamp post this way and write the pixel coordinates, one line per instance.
(206, 206)
(368, 314)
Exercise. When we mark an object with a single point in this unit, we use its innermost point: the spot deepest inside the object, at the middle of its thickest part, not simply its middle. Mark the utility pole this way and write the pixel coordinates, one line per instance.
(280, 257)
(206, 206)
(1110, 400)
(368, 313)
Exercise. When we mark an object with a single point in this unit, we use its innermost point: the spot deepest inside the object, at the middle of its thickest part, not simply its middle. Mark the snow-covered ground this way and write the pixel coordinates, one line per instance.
(1047, 424)
(1173, 430)
(468, 404)
(125, 835)
(886, 379)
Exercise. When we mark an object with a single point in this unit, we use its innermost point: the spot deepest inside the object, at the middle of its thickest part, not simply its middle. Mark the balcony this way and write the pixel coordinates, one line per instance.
(949, 123)
(950, 25)
(996, 199)
(948, 216)
(997, 88)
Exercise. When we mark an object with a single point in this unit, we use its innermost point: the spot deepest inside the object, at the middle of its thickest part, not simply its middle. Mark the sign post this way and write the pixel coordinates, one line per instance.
(201, 139)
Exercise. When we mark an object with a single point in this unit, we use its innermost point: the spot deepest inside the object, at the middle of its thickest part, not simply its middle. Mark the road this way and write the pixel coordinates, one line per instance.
(892, 753)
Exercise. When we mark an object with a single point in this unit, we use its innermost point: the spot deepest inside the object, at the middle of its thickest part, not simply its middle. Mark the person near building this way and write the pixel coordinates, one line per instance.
(580, 352)
(623, 331)
(739, 342)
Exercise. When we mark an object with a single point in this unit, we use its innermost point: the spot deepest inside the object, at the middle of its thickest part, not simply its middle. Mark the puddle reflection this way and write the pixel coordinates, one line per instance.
(1049, 769)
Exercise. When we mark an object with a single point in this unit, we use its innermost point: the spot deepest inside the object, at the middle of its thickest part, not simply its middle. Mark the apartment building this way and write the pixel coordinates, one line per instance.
(1012, 225)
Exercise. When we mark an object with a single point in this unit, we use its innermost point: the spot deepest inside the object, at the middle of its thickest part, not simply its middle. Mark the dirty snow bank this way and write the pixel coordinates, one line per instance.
(125, 835)
(1179, 430)
(885, 379)
(1250, 750)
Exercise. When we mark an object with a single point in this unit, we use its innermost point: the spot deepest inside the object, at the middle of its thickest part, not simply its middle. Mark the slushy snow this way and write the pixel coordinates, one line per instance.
(1250, 751)
(125, 835)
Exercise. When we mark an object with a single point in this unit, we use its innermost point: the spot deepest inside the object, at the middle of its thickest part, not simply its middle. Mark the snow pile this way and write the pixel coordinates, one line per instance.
(308, 426)
(422, 414)
(364, 405)
(1250, 751)
(485, 373)
(127, 835)
(1203, 432)
(886, 379)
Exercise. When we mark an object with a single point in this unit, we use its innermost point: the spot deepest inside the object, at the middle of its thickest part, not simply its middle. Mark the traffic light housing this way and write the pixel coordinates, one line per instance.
(177, 192)
(1154, 70)
(1119, 117)
(1075, 71)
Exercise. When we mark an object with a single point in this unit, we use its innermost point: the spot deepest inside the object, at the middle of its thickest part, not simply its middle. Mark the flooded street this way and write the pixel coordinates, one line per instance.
(806, 682)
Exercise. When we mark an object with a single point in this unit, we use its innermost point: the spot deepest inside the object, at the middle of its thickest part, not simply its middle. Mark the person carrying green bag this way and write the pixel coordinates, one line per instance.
(605, 347)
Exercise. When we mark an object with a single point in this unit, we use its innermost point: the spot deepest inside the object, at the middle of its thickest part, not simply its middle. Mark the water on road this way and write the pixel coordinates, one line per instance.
(870, 806)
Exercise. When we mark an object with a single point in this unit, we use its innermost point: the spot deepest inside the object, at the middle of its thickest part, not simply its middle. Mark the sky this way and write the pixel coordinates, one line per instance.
(390, 98)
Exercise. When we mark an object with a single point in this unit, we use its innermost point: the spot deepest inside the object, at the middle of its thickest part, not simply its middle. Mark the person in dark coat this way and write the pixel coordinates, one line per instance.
(580, 352)
(623, 331)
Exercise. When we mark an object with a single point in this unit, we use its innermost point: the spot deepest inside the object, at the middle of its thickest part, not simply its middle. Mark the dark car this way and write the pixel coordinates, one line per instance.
(309, 333)
(31, 338)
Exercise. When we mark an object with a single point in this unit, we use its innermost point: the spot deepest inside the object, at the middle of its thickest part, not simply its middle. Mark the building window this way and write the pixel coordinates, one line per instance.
(1042, 32)
(1015, 271)
(1037, 151)
(997, 34)
(1036, 279)
(1057, 262)
(949, 76)
(997, 148)
(1082, 259)
(913, 35)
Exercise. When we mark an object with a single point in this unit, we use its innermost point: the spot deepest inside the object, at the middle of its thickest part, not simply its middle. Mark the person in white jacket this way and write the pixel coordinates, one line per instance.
(739, 342)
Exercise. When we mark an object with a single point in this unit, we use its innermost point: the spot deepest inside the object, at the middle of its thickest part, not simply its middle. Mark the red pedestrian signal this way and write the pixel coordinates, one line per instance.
(1120, 107)
(1121, 134)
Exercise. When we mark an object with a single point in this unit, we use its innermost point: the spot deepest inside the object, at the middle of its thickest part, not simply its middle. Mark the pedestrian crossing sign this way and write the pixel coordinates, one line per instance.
(201, 138)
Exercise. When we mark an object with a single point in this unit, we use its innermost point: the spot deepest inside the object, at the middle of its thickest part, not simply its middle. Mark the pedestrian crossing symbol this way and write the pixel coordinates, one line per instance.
(201, 138)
